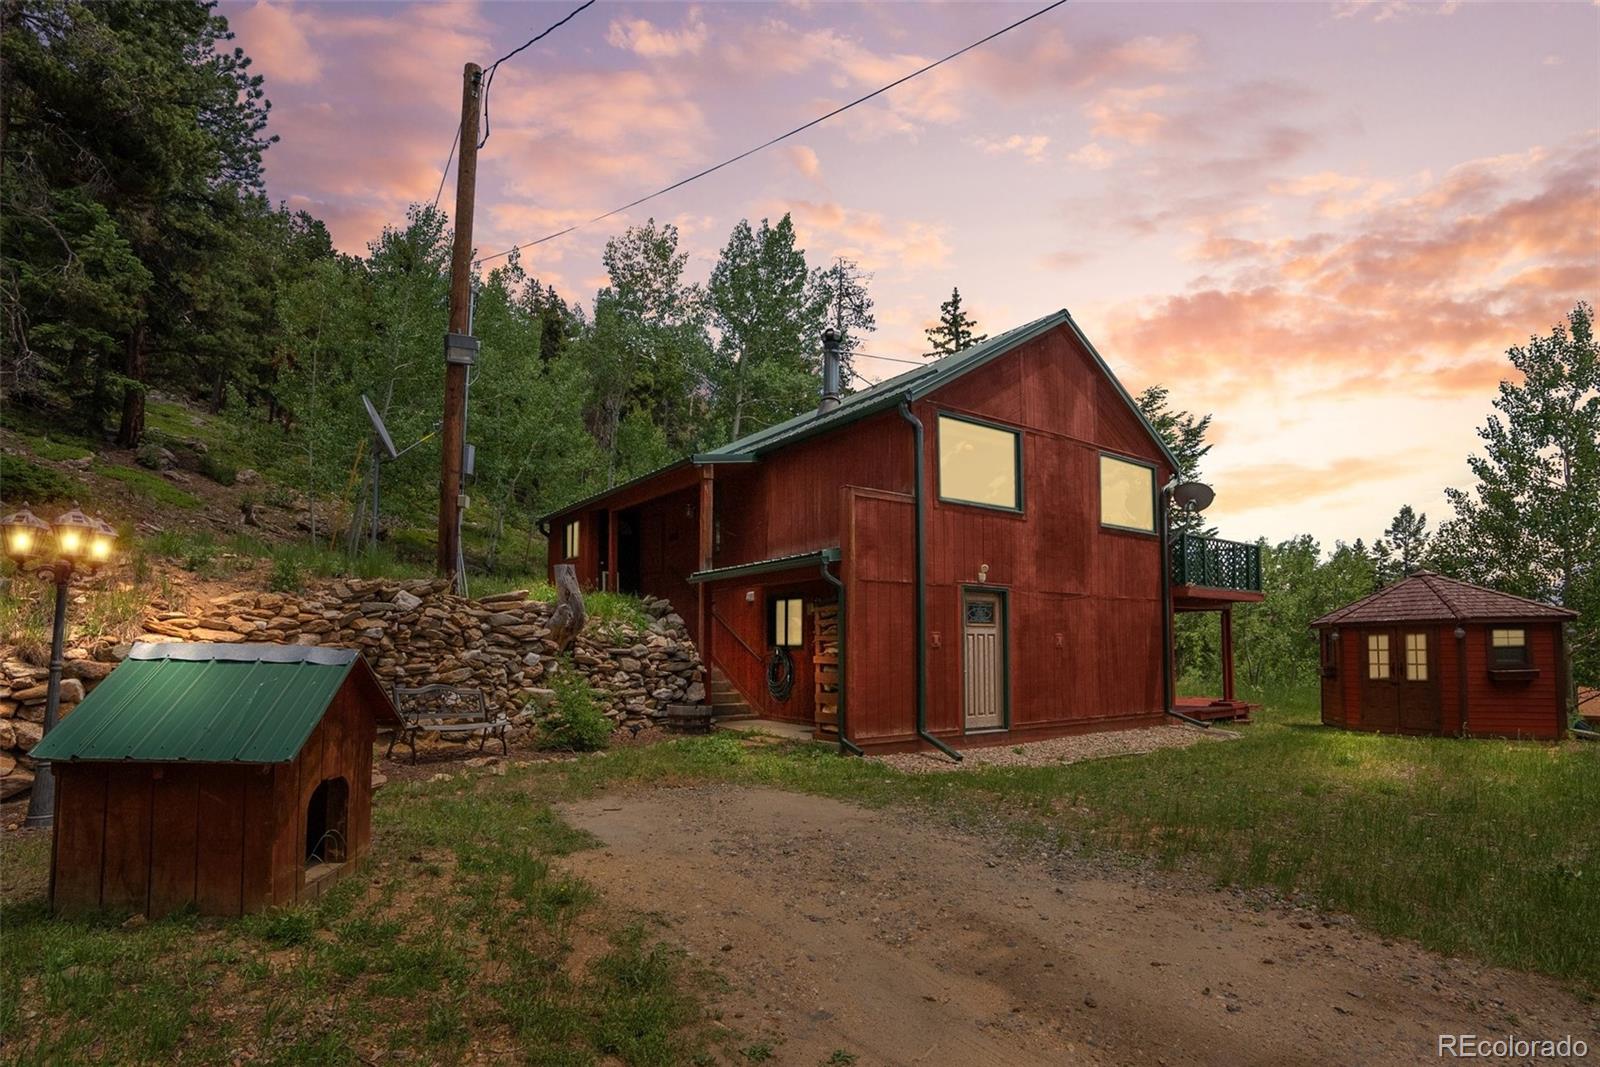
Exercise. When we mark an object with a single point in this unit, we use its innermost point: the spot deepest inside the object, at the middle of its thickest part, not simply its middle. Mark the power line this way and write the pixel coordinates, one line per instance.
(446, 173)
(782, 136)
(529, 43)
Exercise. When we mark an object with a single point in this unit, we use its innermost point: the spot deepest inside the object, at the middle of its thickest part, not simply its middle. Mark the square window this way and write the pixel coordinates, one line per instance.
(1127, 495)
(1416, 657)
(788, 622)
(1508, 647)
(979, 464)
(1378, 656)
(572, 540)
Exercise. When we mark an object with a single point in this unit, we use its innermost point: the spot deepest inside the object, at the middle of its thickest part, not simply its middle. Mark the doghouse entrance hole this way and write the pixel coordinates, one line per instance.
(327, 827)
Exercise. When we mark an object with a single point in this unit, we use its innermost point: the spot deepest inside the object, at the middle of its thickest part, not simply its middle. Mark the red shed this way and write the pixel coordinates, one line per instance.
(970, 552)
(1432, 655)
(229, 777)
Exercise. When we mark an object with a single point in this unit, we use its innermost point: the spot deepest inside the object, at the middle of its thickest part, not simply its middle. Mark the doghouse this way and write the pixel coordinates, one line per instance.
(1432, 655)
(227, 777)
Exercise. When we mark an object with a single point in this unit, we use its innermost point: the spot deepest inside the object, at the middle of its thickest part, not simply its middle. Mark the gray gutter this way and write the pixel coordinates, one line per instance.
(921, 585)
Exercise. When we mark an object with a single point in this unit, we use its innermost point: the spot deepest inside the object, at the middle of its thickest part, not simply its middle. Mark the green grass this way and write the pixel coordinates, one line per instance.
(57, 446)
(152, 486)
(463, 925)
(23, 480)
(456, 937)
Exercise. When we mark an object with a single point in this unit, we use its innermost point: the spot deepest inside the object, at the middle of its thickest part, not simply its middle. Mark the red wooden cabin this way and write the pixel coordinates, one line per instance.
(223, 777)
(1432, 655)
(1021, 477)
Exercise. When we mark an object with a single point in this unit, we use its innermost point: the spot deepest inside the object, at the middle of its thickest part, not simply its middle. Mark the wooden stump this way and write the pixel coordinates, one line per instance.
(567, 621)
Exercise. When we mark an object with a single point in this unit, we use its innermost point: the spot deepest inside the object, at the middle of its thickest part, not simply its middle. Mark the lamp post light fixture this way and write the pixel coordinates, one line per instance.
(81, 545)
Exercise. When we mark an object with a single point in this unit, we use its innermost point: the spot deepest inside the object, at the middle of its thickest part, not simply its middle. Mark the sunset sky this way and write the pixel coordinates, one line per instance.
(1322, 222)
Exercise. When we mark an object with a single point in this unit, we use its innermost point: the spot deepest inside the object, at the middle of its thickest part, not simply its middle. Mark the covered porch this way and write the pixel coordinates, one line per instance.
(1211, 574)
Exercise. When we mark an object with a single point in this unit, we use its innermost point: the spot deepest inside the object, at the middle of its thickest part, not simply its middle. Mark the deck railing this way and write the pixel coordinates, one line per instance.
(1215, 563)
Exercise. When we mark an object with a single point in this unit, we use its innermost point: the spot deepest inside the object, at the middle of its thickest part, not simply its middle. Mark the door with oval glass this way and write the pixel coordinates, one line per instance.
(983, 658)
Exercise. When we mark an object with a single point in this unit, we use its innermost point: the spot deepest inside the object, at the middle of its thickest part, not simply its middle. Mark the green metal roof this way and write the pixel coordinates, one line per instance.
(208, 703)
(765, 566)
(914, 384)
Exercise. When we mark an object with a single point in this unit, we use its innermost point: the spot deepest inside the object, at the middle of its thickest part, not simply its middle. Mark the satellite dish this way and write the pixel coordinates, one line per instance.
(1194, 496)
(378, 427)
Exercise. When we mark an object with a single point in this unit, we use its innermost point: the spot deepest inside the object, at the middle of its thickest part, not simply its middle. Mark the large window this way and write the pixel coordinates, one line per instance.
(979, 464)
(1416, 657)
(1378, 656)
(571, 545)
(1508, 647)
(1127, 495)
(788, 615)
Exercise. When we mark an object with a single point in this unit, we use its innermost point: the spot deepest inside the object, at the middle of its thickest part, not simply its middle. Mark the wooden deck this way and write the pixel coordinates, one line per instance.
(1215, 709)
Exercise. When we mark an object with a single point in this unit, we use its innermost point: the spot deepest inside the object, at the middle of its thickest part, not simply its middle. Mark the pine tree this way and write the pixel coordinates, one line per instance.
(1185, 437)
(956, 329)
(844, 286)
(1403, 546)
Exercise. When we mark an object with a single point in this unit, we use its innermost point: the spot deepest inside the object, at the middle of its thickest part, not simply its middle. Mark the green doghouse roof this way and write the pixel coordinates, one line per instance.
(209, 703)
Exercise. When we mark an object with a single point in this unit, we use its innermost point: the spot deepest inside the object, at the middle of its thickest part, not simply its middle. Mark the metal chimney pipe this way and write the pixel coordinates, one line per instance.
(830, 372)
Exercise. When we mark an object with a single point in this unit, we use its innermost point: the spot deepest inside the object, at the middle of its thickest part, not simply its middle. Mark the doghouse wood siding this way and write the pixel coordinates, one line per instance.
(227, 837)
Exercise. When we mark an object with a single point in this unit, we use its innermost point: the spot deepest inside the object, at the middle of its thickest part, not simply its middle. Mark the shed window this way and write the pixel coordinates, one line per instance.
(1377, 655)
(788, 614)
(1416, 657)
(1127, 495)
(570, 549)
(979, 464)
(1508, 647)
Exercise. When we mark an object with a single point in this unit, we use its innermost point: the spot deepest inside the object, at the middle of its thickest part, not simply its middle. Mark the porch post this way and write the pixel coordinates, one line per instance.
(1227, 653)
(707, 530)
(613, 564)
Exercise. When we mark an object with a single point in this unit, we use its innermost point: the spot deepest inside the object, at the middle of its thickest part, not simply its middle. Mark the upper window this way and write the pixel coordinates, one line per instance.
(1508, 647)
(1416, 657)
(1378, 656)
(1127, 495)
(788, 614)
(979, 464)
(572, 540)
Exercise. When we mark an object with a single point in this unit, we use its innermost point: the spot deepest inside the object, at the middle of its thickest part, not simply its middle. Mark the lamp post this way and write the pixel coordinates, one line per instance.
(82, 545)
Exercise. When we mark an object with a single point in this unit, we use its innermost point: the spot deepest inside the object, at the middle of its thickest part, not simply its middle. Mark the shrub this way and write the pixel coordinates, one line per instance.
(151, 455)
(217, 470)
(574, 722)
(286, 576)
(23, 480)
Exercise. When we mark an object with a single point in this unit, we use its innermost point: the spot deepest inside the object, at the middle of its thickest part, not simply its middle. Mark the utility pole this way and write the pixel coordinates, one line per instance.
(459, 347)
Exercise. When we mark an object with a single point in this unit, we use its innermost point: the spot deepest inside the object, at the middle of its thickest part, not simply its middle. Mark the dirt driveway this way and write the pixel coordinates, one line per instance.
(898, 940)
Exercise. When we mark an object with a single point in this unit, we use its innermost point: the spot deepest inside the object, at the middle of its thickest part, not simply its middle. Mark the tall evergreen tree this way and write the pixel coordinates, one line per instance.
(844, 286)
(132, 140)
(1185, 436)
(956, 329)
(1403, 546)
(1531, 523)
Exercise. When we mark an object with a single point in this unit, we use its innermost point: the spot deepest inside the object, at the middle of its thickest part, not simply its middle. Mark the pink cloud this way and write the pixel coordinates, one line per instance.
(645, 38)
(278, 41)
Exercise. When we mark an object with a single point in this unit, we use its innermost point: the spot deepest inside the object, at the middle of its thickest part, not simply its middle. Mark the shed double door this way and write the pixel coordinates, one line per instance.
(1400, 681)
(983, 659)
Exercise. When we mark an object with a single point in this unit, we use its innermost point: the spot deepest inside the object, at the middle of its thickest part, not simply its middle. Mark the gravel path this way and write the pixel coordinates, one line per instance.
(1056, 750)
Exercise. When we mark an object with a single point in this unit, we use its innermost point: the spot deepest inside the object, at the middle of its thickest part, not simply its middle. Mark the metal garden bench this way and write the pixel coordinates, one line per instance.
(443, 709)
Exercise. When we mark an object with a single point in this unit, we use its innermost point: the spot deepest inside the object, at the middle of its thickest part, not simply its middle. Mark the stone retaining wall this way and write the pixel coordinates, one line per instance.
(412, 632)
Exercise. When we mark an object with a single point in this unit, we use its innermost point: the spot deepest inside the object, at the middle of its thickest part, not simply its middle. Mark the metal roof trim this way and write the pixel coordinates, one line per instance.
(766, 566)
(242, 652)
(629, 484)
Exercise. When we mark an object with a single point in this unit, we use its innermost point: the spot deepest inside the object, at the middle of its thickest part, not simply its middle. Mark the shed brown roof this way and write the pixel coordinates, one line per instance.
(1429, 597)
